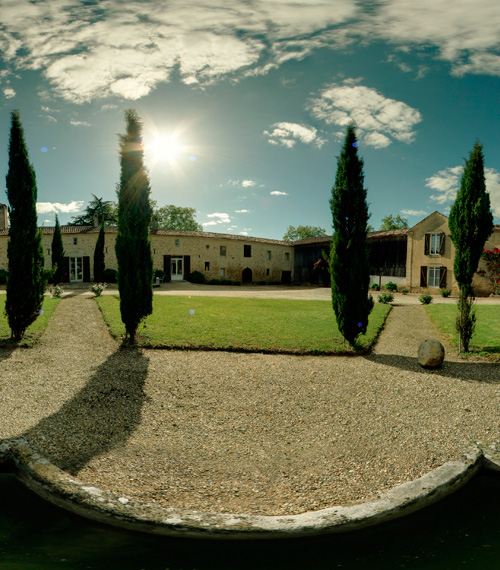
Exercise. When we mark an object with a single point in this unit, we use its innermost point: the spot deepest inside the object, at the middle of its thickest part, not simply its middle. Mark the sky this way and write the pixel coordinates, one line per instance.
(245, 103)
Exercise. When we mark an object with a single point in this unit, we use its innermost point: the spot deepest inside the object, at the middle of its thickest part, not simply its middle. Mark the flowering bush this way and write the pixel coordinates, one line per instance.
(492, 259)
(56, 291)
(98, 288)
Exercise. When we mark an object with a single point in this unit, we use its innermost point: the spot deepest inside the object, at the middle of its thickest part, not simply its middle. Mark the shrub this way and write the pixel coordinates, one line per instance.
(98, 288)
(158, 273)
(214, 282)
(3, 276)
(56, 291)
(375, 287)
(385, 298)
(445, 292)
(196, 277)
(405, 290)
(425, 299)
(391, 286)
(110, 275)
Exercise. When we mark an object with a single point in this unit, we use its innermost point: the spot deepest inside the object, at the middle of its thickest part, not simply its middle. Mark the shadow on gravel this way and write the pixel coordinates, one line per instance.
(6, 351)
(99, 418)
(467, 371)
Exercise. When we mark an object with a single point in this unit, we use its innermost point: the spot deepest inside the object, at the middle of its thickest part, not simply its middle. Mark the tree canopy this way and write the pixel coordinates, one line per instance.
(105, 210)
(391, 222)
(176, 218)
(302, 232)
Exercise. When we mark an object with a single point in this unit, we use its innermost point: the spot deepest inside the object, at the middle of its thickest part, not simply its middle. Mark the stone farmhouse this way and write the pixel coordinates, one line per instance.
(419, 258)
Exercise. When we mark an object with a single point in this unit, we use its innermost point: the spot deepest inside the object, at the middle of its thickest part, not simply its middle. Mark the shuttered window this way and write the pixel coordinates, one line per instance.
(423, 276)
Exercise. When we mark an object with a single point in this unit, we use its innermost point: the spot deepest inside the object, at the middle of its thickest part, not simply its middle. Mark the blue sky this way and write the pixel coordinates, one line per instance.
(253, 98)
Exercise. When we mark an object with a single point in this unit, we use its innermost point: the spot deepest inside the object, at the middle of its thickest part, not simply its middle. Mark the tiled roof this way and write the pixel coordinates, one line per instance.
(388, 233)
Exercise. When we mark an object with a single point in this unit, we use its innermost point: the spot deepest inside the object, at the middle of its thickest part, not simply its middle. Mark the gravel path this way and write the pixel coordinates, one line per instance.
(247, 433)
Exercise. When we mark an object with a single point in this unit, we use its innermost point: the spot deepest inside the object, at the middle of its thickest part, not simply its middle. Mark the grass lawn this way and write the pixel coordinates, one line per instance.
(257, 325)
(486, 339)
(33, 332)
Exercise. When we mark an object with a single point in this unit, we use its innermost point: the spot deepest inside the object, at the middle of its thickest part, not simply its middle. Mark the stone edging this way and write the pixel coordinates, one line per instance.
(63, 490)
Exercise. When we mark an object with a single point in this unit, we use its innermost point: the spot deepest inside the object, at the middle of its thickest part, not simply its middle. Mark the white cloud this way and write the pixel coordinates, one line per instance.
(377, 117)
(221, 218)
(79, 123)
(8, 92)
(242, 211)
(47, 207)
(287, 134)
(414, 213)
(243, 233)
(248, 183)
(278, 193)
(209, 223)
(447, 182)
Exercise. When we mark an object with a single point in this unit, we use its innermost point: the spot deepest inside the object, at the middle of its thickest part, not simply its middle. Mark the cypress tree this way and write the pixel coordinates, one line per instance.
(99, 257)
(26, 280)
(57, 254)
(349, 265)
(133, 249)
(471, 223)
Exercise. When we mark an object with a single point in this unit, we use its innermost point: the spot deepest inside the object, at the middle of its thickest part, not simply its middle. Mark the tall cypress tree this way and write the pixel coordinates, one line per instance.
(471, 223)
(26, 280)
(99, 256)
(57, 254)
(133, 249)
(349, 265)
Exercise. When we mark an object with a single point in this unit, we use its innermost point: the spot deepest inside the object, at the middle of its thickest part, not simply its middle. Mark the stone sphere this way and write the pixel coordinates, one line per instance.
(430, 353)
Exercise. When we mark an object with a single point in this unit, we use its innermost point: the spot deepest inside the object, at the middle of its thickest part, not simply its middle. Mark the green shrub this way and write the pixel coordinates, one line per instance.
(158, 273)
(110, 275)
(98, 288)
(385, 298)
(405, 290)
(3, 276)
(391, 286)
(425, 299)
(375, 287)
(445, 292)
(214, 282)
(196, 277)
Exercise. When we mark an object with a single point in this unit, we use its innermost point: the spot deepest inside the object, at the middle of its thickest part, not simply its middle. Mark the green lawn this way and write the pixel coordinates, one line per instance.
(35, 331)
(261, 325)
(486, 339)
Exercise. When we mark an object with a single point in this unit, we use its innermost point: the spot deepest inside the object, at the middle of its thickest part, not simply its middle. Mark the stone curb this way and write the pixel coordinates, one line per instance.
(63, 490)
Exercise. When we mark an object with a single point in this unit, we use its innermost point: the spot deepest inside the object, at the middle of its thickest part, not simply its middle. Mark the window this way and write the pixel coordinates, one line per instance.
(75, 241)
(247, 251)
(48, 251)
(433, 277)
(207, 246)
(207, 265)
(222, 272)
(434, 244)
(267, 272)
(269, 255)
(287, 255)
(177, 242)
(223, 250)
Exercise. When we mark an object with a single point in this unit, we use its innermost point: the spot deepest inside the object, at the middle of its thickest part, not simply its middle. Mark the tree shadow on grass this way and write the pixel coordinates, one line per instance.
(466, 371)
(99, 418)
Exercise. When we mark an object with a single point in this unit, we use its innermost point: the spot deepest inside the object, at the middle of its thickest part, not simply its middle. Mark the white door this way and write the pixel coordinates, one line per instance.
(177, 269)
(75, 269)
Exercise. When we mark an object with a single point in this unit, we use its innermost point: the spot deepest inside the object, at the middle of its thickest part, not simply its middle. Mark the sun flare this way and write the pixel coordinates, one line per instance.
(164, 147)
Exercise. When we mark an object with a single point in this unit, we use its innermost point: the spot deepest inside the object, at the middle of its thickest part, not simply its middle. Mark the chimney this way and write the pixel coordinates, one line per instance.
(4, 225)
(154, 223)
(96, 219)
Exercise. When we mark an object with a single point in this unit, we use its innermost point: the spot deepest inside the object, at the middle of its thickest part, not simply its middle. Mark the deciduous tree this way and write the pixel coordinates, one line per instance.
(26, 280)
(177, 218)
(133, 249)
(471, 223)
(302, 232)
(349, 266)
(391, 222)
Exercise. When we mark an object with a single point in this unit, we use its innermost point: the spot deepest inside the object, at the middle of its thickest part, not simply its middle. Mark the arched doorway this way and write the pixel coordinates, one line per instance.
(247, 275)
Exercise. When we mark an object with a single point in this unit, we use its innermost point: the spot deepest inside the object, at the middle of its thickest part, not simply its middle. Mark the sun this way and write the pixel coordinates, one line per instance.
(164, 148)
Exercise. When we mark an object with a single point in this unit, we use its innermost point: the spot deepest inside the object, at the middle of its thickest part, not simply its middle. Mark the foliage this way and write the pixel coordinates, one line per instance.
(445, 292)
(159, 273)
(391, 286)
(99, 264)
(110, 275)
(241, 324)
(133, 249)
(349, 265)
(471, 223)
(176, 218)
(375, 287)
(425, 299)
(405, 290)
(57, 254)
(56, 291)
(385, 298)
(98, 288)
(105, 210)
(492, 259)
(391, 222)
(196, 277)
(302, 232)
(3, 276)
(26, 282)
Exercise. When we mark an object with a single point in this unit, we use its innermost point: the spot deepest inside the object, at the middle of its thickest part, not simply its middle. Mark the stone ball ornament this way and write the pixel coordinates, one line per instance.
(430, 353)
